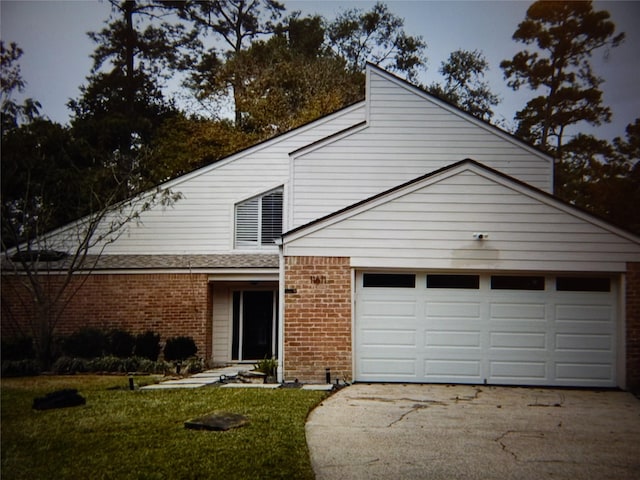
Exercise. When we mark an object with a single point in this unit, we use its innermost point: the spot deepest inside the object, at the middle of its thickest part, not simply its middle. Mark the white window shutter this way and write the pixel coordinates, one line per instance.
(271, 217)
(247, 223)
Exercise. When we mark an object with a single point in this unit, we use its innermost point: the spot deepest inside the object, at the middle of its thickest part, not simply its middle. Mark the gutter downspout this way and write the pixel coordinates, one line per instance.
(280, 370)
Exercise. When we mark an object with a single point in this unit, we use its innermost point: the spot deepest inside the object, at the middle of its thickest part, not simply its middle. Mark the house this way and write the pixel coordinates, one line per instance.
(396, 240)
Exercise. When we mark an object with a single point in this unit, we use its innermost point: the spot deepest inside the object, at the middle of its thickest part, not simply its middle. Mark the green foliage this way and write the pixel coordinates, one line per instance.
(147, 345)
(87, 343)
(140, 434)
(565, 35)
(268, 366)
(378, 37)
(121, 343)
(107, 364)
(20, 368)
(463, 87)
(179, 348)
(17, 348)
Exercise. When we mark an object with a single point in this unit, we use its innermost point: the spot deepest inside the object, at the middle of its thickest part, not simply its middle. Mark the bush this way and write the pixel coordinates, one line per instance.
(147, 345)
(20, 368)
(86, 343)
(179, 348)
(108, 364)
(18, 348)
(121, 343)
(69, 365)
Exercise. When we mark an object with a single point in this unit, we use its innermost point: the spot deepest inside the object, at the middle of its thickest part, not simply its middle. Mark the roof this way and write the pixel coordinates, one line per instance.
(170, 262)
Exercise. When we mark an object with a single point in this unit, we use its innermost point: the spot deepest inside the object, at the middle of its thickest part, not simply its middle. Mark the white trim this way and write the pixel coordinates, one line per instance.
(246, 276)
(621, 347)
(281, 304)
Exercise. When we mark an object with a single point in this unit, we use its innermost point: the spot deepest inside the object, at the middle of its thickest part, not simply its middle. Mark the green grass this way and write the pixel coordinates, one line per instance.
(123, 434)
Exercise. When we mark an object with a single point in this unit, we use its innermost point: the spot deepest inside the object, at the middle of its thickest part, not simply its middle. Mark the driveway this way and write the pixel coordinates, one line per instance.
(394, 431)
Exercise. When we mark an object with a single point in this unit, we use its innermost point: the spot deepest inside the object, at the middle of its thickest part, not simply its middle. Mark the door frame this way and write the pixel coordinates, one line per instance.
(236, 356)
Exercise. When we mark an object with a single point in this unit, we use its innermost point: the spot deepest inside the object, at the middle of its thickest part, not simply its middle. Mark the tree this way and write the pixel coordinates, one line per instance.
(12, 82)
(237, 23)
(463, 87)
(378, 37)
(49, 179)
(603, 177)
(566, 34)
(292, 78)
(123, 104)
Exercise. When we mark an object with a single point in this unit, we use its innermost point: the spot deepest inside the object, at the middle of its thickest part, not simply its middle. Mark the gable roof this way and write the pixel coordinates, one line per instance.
(448, 171)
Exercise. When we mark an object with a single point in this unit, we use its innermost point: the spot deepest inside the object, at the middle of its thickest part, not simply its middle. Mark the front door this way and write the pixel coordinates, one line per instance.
(253, 324)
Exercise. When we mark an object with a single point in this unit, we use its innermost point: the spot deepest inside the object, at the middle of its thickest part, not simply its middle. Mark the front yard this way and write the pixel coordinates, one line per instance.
(123, 434)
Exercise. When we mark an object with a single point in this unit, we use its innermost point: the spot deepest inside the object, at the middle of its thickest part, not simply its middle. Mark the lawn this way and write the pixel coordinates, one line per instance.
(123, 434)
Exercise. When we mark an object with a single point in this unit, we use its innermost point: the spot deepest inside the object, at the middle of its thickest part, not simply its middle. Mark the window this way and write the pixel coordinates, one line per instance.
(453, 281)
(259, 220)
(389, 280)
(507, 282)
(583, 284)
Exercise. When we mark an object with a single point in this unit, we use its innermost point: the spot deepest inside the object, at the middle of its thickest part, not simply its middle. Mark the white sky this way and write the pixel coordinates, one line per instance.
(57, 51)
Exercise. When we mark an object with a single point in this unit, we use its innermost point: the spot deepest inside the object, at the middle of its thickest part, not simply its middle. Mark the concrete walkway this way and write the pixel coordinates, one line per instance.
(199, 379)
(384, 431)
(211, 377)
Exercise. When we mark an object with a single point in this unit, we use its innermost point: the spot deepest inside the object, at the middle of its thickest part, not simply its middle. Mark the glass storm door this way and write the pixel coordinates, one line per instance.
(253, 324)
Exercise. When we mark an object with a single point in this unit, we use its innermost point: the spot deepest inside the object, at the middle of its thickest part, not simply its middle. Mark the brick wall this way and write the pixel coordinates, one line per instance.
(317, 318)
(633, 326)
(169, 304)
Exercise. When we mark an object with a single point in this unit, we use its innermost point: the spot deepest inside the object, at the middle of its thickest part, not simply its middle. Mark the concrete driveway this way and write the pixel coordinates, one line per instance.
(395, 431)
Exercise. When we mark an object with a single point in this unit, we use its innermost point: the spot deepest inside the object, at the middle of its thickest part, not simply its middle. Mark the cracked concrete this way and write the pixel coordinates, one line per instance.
(474, 432)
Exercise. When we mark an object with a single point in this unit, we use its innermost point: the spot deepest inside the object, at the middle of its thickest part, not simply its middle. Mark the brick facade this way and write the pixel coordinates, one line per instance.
(317, 325)
(633, 326)
(168, 304)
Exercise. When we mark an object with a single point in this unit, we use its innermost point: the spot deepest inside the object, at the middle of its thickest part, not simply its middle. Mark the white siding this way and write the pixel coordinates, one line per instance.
(408, 135)
(202, 221)
(430, 224)
(222, 323)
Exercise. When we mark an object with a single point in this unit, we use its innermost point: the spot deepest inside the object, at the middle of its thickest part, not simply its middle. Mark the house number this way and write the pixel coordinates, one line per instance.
(318, 279)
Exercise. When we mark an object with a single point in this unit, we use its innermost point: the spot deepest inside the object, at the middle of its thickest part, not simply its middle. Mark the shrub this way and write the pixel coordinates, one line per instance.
(268, 366)
(121, 343)
(108, 364)
(69, 365)
(179, 348)
(18, 348)
(20, 368)
(147, 345)
(86, 343)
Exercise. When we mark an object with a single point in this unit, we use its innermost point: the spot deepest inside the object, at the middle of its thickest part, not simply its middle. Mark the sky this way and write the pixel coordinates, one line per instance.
(56, 60)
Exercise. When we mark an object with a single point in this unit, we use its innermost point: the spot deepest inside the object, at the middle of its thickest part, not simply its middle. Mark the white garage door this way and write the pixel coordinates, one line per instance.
(488, 328)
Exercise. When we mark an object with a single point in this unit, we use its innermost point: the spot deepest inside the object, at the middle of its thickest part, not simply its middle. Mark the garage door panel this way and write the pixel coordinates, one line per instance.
(460, 370)
(518, 312)
(380, 369)
(584, 343)
(452, 310)
(388, 338)
(584, 313)
(585, 373)
(518, 372)
(452, 339)
(389, 308)
(518, 340)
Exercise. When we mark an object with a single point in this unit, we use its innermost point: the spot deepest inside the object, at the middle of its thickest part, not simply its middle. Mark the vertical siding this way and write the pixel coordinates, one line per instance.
(408, 135)
(202, 221)
(222, 324)
(431, 225)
